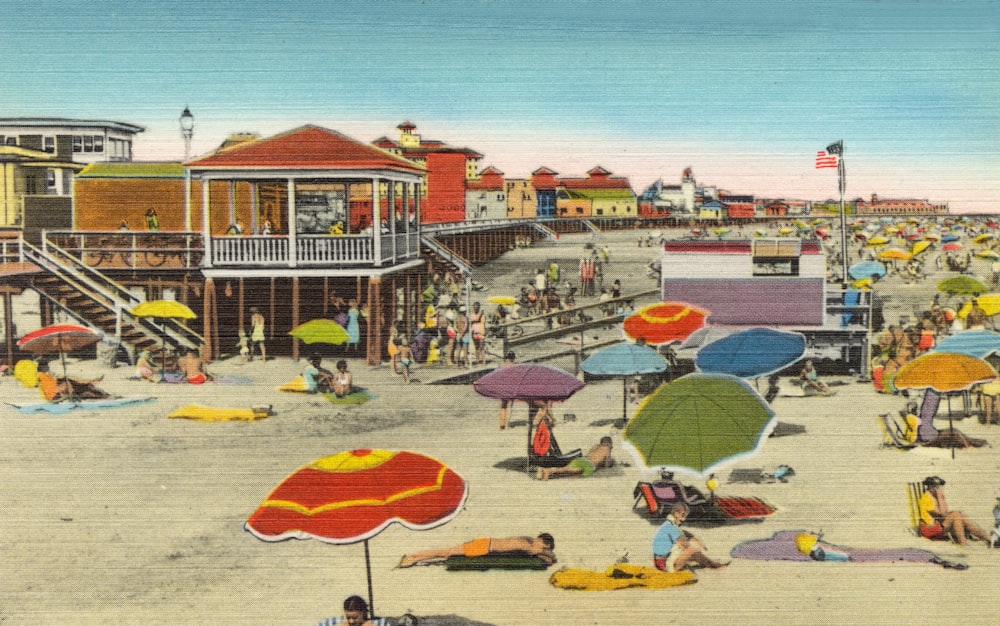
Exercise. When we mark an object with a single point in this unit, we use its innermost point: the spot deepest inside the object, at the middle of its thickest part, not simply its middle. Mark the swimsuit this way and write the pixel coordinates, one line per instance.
(586, 466)
(476, 547)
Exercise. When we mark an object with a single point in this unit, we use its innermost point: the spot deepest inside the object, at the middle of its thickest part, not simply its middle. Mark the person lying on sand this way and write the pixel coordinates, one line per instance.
(542, 546)
(59, 389)
(597, 457)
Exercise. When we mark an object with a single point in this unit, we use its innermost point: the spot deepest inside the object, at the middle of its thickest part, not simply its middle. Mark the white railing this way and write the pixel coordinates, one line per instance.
(253, 250)
(313, 250)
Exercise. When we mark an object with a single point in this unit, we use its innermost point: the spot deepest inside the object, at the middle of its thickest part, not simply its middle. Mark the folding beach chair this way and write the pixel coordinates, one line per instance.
(894, 435)
(913, 493)
(544, 450)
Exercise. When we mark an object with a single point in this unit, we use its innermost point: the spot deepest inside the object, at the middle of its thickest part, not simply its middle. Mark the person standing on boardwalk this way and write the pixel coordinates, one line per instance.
(257, 324)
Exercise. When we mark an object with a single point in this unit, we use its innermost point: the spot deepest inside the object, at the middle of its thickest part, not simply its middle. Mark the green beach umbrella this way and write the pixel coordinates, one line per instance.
(962, 286)
(320, 331)
(698, 423)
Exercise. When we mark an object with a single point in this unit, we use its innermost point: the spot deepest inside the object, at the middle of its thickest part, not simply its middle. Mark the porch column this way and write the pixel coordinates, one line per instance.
(406, 218)
(232, 201)
(391, 208)
(209, 319)
(295, 316)
(376, 223)
(293, 245)
(206, 226)
(254, 221)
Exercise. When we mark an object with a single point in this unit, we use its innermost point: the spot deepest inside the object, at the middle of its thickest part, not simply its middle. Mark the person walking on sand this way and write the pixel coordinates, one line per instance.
(543, 546)
(257, 324)
(597, 457)
(402, 360)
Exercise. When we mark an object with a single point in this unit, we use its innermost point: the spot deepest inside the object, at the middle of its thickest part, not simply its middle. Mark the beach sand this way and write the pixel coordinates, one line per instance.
(126, 517)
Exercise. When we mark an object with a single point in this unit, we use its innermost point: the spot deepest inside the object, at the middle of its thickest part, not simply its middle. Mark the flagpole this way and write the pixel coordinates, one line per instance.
(843, 217)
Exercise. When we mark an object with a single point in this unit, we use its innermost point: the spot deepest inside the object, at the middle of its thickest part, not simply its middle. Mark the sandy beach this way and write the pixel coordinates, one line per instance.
(124, 516)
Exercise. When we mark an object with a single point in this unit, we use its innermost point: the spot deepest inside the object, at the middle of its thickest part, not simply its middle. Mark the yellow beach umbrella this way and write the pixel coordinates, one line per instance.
(862, 283)
(919, 247)
(504, 300)
(877, 241)
(988, 302)
(894, 254)
(785, 231)
(983, 238)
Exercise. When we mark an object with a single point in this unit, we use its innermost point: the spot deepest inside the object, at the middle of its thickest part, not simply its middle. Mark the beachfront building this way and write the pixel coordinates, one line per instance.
(893, 207)
(449, 170)
(486, 197)
(300, 225)
(738, 207)
(39, 157)
(522, 201)
(545, 184)
(599, 195)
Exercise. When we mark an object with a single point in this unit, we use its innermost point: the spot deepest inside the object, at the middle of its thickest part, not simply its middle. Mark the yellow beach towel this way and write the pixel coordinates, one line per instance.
(210, 414)
(621, 576)
(297, 384)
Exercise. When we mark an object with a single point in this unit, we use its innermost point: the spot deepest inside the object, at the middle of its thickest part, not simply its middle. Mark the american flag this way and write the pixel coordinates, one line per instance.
(826, 158)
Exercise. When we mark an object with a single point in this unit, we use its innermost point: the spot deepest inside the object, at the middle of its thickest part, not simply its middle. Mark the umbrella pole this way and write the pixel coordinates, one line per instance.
(527, 459)
(624, 401)
(368, 568)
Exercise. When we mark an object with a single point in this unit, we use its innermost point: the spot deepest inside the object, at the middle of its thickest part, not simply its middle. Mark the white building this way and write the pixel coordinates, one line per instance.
(85, 141)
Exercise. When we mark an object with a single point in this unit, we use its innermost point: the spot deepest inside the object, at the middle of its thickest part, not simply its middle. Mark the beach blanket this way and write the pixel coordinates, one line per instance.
(60, 408)
(212, 414)
(295, 385)
(177, 379)
(621, 576)
(358, 396)
(743, 508)
(782, 547)
(494, 561)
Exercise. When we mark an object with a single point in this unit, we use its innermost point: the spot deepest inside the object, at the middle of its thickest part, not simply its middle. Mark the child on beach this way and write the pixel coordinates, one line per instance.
(402, 360)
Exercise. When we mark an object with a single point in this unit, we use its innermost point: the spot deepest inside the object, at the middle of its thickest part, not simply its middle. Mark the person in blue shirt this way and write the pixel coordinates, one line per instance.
(317, 378)
(674, 549)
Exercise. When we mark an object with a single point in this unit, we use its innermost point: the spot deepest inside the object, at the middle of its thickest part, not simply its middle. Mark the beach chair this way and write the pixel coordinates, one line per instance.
(660, 496)
(544, 450)
(913, 493)
(663, 494)
(893, 434)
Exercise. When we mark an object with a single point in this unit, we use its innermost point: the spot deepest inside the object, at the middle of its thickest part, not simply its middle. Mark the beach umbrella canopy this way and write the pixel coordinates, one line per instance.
(752, 353)
(919, 247)
(624, 359)
(975, 343)
(58, 339)
(961, 286)
(943, 372)
(989, 255)
(664, 322)
(699, 423)
(988, 302)
(504, 300)
(352, 496)
(878, 241)
(949, 237)
(983, 238)
(866, 269)
(320, 331)
(862, 283)
(163, 309)
(894, 254)
(528, 381)
(785, 231)
(954, 246)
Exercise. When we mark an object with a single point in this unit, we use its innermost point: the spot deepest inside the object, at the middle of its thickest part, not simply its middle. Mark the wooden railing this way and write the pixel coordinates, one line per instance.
(122, 249)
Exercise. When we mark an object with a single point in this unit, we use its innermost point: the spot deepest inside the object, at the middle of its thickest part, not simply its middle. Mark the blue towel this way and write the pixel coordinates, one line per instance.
(60, 408)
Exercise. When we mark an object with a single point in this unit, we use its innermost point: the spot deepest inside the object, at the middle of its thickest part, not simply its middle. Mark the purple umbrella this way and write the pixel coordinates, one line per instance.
(528, 381)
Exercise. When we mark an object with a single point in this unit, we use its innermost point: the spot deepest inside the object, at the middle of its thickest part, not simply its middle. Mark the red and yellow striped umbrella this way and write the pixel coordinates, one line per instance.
(664, 322)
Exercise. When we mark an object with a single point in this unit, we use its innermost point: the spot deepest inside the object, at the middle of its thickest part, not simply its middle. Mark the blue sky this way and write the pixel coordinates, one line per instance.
(744, 92)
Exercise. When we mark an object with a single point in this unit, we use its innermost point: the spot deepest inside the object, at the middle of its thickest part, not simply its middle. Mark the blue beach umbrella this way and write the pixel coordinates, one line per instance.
(752, 353)
(624, 359)
(949, 238)
(866, 269)
(975, 343)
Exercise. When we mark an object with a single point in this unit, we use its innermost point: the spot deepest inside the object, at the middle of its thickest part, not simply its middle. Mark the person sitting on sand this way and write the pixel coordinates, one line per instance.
(674, 549)
(144, 368)
(356, 612)
(342, 380)
(937, 521)
(59, 389)
(318, 379)
(597, 457)
(543, 546)
(809, 378)
(192, 368)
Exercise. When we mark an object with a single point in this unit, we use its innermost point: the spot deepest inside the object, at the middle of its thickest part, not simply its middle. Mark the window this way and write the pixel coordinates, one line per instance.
(11, 141)
(50, 145)
(775, 266)
(50, 179)
(98, 143)
(88, 143)
(77, 143)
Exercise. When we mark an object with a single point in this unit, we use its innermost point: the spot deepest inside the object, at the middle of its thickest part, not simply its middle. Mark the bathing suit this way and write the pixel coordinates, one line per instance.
(586, 466)
(476, 547)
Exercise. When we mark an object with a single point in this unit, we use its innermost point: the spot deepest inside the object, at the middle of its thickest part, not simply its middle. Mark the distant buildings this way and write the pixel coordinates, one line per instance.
(891, 207)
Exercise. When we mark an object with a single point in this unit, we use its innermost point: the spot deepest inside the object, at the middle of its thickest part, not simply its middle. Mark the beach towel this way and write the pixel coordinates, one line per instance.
(621, 576)
(60, 408)
(743, 508)
(782, 546)
(358, 396)
(295, 385)
(494, 561)
(212, 414)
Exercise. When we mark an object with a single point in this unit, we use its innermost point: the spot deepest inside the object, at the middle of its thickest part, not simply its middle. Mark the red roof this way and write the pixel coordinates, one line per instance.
(308, 147)
(595, 183)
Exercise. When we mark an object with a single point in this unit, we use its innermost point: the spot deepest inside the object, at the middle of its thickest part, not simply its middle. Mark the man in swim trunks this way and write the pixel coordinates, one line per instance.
(542, 546)
(597, 457)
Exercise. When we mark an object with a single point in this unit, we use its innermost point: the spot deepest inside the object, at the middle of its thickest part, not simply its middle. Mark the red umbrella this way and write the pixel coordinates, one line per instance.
(953, 246)
(664, 322)
(58, 338)
(353, 496)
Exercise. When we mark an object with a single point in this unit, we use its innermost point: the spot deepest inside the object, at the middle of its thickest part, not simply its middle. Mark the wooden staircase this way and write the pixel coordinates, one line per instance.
(96, 300)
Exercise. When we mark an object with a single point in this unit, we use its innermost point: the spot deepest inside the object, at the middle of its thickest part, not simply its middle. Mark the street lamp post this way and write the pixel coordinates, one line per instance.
(187, 131)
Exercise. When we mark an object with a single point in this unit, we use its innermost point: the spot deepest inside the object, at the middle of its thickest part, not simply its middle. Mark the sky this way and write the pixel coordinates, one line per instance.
(745, 92)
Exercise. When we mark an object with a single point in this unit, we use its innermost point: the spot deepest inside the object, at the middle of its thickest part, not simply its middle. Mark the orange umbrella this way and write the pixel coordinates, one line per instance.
(664, 322)
(943, 372)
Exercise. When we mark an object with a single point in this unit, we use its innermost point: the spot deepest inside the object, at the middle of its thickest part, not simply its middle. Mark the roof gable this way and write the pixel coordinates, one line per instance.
(308, 147)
